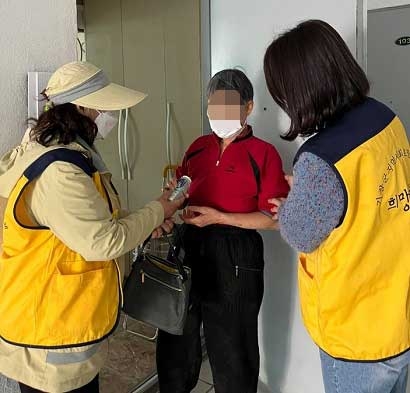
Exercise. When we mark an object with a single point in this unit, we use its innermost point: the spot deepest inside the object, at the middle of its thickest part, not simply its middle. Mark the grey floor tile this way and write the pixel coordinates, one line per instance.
(8, 385)
(130, 361)
(202, 387)
(206, 372)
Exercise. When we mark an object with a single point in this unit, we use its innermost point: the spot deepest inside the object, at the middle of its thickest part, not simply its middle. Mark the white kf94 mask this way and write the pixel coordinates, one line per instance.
(105, 122)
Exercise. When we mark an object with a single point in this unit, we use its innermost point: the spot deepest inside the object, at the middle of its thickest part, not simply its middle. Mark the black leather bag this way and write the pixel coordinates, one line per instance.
(157, 290)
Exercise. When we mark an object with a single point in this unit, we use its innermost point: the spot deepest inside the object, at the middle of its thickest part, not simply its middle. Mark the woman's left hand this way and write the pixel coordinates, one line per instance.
(289, 179)
(165, 228)
(277, 203)
(201, 216)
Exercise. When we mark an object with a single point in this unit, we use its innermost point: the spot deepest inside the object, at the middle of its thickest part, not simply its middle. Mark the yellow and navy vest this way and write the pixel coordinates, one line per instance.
(51, 297)
(355, 288)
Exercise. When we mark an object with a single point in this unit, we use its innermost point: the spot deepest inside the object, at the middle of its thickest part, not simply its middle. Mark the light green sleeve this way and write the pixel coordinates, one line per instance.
(65, 199)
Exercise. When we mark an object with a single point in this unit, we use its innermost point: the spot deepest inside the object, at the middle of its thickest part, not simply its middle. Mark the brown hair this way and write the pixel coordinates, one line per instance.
(62, 124)
(312, 75)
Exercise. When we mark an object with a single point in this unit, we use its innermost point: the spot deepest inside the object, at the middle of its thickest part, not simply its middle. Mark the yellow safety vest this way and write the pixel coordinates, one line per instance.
(355, 288)
(51, 297)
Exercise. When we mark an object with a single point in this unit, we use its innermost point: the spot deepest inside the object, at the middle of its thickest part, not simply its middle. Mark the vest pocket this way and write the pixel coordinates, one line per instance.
(77, 266)
(83, 307)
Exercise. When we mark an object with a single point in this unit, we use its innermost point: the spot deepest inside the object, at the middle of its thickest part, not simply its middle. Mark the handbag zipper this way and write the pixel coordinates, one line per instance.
(249, 269)
(160, 264)
(144, 274)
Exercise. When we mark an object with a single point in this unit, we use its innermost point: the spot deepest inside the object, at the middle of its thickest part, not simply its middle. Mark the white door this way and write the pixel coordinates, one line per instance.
(388, 58)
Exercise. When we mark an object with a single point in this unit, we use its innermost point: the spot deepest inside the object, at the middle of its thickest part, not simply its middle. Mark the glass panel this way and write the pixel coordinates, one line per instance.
(153, 47)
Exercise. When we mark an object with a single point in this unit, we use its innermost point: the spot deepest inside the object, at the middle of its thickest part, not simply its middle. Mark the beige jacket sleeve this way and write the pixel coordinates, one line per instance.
(66, 200)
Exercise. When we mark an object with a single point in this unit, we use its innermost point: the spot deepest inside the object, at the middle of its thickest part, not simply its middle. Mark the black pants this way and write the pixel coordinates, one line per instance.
(91, 387)
(227, 290)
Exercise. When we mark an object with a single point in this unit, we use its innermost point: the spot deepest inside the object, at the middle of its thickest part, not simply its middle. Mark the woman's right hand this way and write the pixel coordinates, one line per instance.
(170, 207)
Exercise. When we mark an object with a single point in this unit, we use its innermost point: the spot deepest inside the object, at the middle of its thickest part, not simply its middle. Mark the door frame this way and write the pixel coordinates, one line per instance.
(363, 7)
(205, 58)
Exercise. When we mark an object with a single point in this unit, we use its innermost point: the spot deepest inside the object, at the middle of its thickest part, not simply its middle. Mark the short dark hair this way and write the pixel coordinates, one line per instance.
(312, 75)
(231, 79)
(62, 124)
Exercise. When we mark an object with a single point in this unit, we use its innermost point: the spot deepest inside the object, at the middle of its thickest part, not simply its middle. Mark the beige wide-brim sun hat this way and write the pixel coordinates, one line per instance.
(86, 85)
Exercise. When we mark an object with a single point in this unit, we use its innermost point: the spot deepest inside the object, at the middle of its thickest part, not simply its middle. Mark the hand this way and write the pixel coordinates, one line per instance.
(170, 185)
(170, 207)
(201, 216)
(165, 228)
(289, 179)
(277, 203)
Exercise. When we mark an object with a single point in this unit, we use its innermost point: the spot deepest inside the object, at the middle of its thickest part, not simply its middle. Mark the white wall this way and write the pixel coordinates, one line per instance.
(34, 36)
(240, 33)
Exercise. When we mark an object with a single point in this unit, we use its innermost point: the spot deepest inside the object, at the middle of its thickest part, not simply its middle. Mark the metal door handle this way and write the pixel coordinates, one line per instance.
(127, 159)
(120, 146)
(168, 134)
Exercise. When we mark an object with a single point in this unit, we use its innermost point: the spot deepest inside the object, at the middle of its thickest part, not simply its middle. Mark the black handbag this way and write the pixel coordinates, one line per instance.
(157, 290)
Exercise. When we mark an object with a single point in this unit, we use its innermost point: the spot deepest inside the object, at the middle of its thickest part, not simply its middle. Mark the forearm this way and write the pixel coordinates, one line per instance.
(313, 207)
(117, 237)
(254, 220)
(65, 200)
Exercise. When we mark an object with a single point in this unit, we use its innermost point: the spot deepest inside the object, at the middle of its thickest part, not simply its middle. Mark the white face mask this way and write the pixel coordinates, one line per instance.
(226, 128)
(105, 122)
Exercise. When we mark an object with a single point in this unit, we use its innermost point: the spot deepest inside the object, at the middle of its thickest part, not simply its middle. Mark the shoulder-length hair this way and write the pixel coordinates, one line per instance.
(312, 75)
(61, 124)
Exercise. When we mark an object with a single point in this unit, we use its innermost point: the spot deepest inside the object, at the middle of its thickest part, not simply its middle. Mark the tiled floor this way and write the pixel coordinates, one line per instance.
(203, 387)
(205, 379)
(131, 360)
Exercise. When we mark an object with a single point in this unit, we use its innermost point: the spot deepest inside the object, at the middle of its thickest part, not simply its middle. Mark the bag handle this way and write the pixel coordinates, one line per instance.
(178, 262)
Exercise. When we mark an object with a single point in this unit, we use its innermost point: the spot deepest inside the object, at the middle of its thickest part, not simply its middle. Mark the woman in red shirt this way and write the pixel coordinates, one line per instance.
(233, 175)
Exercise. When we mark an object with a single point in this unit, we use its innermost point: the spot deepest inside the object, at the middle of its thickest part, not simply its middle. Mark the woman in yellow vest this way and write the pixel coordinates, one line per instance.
(63, 231)
(348, 212)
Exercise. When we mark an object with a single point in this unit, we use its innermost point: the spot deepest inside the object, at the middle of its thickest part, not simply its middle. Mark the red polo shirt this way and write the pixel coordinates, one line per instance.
(240, 180)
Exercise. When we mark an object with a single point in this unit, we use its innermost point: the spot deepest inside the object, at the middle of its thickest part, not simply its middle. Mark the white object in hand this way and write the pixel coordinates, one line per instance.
(182, 187)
